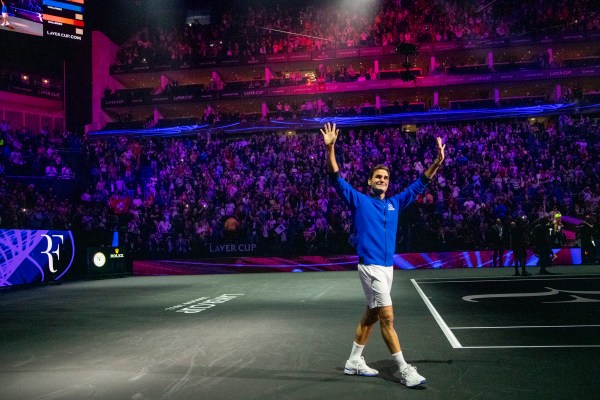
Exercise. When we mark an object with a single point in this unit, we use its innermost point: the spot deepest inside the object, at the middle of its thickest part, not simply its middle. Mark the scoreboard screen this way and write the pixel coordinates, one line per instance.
(64, 19)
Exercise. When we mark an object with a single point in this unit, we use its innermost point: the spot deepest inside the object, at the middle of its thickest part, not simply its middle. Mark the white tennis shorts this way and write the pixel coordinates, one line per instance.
(376, 281)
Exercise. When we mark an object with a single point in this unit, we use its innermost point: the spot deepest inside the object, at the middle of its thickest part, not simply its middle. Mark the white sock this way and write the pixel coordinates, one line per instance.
(399, 359)
(356, 351)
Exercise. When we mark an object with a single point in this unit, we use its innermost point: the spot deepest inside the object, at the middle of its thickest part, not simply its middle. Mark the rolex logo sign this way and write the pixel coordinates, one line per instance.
(117, 254)
(106, 261)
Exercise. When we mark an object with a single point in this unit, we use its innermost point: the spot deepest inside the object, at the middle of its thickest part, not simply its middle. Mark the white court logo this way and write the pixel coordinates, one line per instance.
(551, 292)
(202, 303)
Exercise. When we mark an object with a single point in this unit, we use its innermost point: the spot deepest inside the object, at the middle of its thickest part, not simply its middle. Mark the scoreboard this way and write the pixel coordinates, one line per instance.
(64, 18)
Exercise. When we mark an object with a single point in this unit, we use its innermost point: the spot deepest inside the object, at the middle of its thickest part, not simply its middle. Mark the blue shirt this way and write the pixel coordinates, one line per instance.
(4, 9)
(376, 219)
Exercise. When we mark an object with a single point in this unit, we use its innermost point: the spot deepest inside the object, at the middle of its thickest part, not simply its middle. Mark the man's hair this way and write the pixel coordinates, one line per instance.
(375, 168)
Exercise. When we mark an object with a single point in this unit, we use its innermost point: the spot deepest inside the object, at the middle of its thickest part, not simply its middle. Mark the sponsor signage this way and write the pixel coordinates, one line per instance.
(333, 87)
(533, 74)
(252, 263)
(454, 79)
(225, 62)
(280, 91)
(521, 41)
(253, 60)
(276, 58)
(547, 39)
(138, 68)
(105, 261)
(160, 99)
(207, 63)
(116, 102)
(118, 69)
(469, 45)
(184, 98)
(300, 56)
(51, 93)
(21, 89)
(496, 42)
(342, 53)
(162, 67)
(232, 248)
(302, 89)
(322, 55)
(572, 37)
(229, 94)
(371, 51)
(441, 46)
(480, 78)
(567, 72)
(207, 96)
(34, 256)
(254, 92)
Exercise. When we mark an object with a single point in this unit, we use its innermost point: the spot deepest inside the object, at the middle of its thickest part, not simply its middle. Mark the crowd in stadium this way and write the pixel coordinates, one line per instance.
(250, 30)
(305, 26)
(176, 195)
(31, 5)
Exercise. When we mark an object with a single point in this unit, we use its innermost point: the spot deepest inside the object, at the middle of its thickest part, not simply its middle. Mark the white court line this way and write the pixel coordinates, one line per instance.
(507, 279)
(580, 346)
(456, 344)
(525, 327)
(449, 335)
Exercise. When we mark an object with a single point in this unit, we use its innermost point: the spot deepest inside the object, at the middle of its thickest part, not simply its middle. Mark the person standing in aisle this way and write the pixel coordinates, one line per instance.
(519, 242)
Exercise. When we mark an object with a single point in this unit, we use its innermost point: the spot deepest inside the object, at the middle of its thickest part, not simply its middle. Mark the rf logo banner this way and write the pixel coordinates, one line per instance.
(34, 256)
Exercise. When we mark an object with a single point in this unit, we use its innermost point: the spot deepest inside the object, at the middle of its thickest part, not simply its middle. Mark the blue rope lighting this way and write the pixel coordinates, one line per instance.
(386, 119)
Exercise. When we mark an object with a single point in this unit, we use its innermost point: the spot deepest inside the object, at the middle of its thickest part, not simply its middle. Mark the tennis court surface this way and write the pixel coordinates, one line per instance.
(473, 333)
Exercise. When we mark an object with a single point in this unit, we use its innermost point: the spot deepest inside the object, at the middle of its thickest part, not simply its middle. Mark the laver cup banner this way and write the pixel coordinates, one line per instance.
(34, 256)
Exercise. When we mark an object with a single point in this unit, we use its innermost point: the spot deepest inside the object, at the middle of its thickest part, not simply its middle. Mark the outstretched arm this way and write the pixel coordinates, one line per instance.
(330, 134)
(438, 161)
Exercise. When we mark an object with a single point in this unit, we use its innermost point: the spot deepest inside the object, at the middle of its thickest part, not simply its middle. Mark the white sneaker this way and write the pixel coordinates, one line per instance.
(409, 376)
(359, 367)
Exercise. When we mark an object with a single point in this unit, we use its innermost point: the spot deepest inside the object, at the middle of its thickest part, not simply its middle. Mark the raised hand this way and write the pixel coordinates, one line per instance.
(441, 148)
(330, 134)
